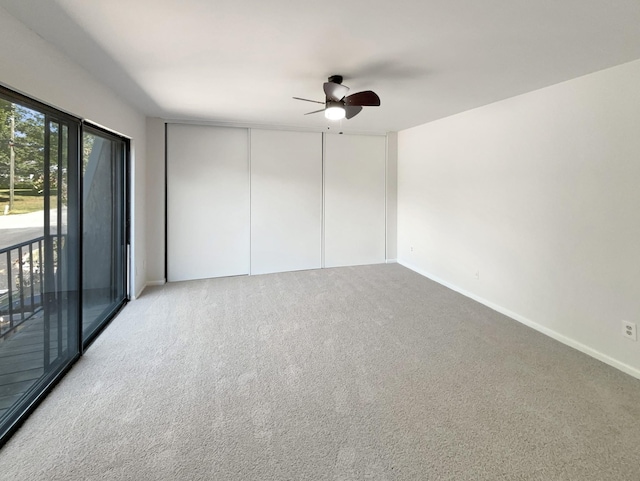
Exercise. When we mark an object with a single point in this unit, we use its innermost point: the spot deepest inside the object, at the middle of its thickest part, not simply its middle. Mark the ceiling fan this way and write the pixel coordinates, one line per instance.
(338, 105)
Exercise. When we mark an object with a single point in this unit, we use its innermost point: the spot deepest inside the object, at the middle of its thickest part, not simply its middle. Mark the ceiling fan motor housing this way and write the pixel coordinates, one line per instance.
(334, 103)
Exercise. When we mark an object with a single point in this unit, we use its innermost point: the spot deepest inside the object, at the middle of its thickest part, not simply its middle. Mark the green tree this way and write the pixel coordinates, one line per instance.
(28, 143)
(6, 112)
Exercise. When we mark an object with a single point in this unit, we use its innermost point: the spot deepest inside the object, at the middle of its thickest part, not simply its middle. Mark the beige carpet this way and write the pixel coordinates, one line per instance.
(363, 373)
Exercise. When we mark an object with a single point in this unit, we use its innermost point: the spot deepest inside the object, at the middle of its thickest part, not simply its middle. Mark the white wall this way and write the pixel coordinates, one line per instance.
(155, 199)
(531, 205)
(34, 67)
(391, 186)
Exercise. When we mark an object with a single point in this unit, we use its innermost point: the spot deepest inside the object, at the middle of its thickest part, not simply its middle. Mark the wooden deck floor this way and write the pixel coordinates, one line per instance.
(22, 354)
(22, 359)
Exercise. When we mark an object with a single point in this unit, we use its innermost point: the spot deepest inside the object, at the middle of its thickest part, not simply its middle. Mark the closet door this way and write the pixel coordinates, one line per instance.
(286, 201)
(207, 202)
(354, 192)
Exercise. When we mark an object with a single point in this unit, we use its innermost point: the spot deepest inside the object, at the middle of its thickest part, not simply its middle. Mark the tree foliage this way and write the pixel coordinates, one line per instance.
(28, 143)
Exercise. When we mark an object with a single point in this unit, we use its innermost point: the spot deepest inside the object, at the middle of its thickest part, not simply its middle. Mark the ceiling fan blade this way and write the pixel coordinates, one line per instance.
(335, 91)
(314, 112)
(351, 111)
(366, 98)
(307, 100)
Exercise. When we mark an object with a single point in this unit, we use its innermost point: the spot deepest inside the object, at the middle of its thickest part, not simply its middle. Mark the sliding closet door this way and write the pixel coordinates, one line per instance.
(354, 200)
(286, 201)
(207, 202)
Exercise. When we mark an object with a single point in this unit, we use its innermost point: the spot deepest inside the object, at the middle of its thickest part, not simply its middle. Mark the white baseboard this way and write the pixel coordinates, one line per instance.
(632, 371)
(148, 284)
(392, 261)
(139, 293)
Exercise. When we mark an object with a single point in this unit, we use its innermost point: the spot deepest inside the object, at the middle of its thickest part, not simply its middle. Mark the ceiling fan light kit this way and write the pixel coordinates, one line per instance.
(338, 105)
(334, 111)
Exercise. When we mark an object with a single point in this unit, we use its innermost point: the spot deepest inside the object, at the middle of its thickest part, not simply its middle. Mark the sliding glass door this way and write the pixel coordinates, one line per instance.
(39, 246)
(104, 254)
(63, 245)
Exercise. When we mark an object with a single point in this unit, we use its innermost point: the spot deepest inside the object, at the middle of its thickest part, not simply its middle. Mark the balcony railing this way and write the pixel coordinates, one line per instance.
(21, 283)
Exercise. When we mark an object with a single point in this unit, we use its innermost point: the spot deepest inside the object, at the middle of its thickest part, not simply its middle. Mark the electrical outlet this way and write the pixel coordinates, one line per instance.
(478, 275)
(411, 248)
(629, 330)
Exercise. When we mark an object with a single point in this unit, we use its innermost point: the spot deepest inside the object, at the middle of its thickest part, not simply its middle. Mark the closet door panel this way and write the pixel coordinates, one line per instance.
(354, 174)
(208, 201)
(286, 201)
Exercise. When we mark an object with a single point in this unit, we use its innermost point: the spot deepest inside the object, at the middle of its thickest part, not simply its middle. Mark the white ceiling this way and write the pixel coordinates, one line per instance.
(242, 60)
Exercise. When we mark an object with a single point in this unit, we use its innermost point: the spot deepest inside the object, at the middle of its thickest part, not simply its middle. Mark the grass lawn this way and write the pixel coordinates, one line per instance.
(24, 201)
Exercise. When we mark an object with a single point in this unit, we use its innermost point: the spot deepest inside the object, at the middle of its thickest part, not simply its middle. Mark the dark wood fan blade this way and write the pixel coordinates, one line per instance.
(314, 112)
(366, 98)
(351, 111)
(307, 100)
(335, 91)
